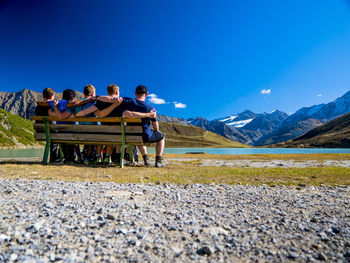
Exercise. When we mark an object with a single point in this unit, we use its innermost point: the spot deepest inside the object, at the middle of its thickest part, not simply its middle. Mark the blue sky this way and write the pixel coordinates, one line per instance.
(197, 57)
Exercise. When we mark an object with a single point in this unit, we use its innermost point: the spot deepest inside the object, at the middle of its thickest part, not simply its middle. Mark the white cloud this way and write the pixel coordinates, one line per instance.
(319, 95)
(179, 105)
(153, 98)
(266, 91)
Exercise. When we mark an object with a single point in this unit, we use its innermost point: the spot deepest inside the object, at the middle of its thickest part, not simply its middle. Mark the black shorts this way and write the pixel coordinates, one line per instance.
(155, 137)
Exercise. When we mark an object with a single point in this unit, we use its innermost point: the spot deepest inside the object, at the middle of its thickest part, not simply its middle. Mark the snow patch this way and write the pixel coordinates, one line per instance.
(231, 118)
(239, 124)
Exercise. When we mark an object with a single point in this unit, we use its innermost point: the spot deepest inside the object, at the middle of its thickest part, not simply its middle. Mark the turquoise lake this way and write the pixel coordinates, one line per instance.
(25, 153)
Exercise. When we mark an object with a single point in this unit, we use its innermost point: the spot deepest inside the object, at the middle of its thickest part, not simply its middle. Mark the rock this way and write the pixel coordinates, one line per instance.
(216, 231)
(320, 256)
(110, 217)
(324, 237)
(13, 257)
(205, 250)
(335, 230)
(48, 205)
(99, 211)
(293, 255)
(172, 228)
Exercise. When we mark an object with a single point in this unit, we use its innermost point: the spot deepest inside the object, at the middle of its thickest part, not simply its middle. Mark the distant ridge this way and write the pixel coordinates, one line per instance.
(334, 134)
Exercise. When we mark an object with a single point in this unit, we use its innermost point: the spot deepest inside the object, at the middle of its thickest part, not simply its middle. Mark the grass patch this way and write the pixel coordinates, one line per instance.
(185, 174)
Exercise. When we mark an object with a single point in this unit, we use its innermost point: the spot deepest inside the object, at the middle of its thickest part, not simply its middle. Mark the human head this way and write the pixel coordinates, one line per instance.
(112, 90)
(89, 90)
(48, 94)
(68, 95)
(141, 90)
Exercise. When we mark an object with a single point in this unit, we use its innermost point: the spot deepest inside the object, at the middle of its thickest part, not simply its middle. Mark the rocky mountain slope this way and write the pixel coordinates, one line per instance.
(334, 134)
(15, 131)
(221, 128)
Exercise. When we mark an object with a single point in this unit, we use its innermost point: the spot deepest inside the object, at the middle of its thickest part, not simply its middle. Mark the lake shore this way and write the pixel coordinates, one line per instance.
(294, 170)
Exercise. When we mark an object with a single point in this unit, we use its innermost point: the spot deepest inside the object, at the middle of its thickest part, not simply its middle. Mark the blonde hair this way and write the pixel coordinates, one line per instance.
(112, 89)
(89, 90)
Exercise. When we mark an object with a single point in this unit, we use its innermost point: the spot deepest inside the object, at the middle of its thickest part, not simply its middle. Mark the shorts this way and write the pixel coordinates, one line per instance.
(155, 137)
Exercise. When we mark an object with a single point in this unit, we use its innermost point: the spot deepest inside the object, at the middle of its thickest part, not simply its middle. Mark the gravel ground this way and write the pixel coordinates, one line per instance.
(269, 163)
(49, 221)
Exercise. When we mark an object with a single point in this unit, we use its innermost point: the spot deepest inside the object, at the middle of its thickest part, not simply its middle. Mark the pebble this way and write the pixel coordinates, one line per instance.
(166, 223)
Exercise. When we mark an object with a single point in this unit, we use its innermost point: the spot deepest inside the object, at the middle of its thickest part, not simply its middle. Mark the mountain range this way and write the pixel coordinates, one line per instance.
(275, 127)
(247, 127)
(333, 134)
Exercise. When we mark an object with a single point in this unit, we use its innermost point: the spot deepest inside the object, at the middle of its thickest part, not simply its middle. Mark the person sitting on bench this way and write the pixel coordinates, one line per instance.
(136, 108)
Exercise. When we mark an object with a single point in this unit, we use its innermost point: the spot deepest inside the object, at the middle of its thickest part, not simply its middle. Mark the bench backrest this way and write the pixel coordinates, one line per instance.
(113, 130)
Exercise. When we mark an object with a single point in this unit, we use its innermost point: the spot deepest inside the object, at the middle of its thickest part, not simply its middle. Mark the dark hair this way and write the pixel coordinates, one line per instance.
(89, 90)
(68, 94)
(48, 93)
(112, 89)
(141, 89)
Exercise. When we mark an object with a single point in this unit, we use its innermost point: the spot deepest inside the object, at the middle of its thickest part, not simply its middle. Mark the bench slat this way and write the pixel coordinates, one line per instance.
(79, 137)
(39, 127)
(105, 143)
(87, 119)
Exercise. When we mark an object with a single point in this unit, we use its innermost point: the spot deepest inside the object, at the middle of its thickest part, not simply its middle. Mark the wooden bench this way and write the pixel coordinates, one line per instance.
(113, 131)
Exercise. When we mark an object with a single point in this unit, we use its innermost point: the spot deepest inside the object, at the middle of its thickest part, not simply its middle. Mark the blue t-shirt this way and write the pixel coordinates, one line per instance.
(62, 107)
(87, 105)
(144, 107)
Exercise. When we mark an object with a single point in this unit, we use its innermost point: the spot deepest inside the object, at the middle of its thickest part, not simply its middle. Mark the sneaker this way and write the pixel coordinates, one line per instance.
(107, 160)
(146, 159)
(99, 159)
(159, 162)
(86, 161)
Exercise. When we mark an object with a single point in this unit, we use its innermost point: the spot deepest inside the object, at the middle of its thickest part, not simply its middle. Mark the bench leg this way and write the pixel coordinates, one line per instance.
(46, 152)
(48, 142)
(131, 154)
(61, 152)
(122, 152)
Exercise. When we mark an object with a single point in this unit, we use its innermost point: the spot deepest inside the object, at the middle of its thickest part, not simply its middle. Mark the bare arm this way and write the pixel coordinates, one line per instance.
(60, 115)
(52, 113)
(86, 111)
(79, 103)
(106, 99)
(135, 115)
(105, 112)
(155, 125)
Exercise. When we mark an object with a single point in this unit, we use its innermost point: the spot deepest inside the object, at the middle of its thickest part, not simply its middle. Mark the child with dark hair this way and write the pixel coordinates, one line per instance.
(60, 110)
(48, 95)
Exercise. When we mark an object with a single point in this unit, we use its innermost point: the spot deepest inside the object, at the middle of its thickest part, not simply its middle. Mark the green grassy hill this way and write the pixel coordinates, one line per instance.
(178, 136)
(15, 131)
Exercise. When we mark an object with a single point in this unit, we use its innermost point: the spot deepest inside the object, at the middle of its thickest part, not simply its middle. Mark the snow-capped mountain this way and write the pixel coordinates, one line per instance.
(221, 128)
(306, 119)
(277, 126)
(238, 120)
